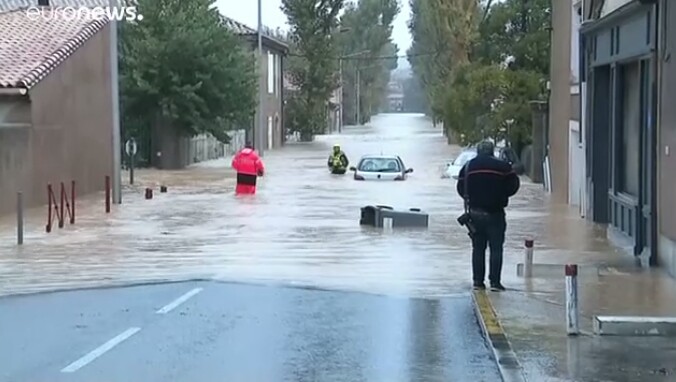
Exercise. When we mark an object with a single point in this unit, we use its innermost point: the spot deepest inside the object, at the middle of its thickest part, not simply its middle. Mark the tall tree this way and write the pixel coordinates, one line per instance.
(181, 68)
(459, 53)
(365, 37)
(443, 35)
(313, 66)
(516, 29)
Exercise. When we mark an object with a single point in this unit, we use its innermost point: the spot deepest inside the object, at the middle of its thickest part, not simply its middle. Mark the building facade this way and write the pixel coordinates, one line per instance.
(666, 137)
(271, 134)
(44, 136)
(620, 56)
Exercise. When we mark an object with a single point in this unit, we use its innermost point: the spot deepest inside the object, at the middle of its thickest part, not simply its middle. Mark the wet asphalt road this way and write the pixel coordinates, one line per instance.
(210, 331)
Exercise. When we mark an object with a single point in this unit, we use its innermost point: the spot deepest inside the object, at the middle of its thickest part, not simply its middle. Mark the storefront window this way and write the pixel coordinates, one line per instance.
(629, 130)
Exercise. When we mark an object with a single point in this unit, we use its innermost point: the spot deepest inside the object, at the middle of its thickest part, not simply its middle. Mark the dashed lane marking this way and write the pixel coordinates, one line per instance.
(174, 304)
(99, 351)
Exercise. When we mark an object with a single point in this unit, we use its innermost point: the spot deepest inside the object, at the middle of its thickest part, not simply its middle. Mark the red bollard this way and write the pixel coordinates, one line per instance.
(149, 193)
(72, 200)
(48, 227)
(107, 194)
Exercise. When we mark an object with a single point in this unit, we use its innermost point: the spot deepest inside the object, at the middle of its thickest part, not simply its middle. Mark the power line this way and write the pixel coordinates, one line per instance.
(371, 58)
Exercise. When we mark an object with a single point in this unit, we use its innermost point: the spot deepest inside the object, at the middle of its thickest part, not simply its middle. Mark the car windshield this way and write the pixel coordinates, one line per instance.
(379, 165)
(464, 157)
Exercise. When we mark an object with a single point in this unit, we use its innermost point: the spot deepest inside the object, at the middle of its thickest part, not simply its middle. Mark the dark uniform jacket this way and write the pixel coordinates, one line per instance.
(491, 183)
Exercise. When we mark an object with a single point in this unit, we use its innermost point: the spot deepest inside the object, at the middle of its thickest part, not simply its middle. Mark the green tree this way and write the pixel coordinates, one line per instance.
(519, 29)
(459, 54)
(443, 34)
(313, 65)
(366, 28)
(182, 68)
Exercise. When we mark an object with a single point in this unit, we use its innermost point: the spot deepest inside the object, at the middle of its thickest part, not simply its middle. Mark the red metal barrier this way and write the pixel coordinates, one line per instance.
(58, 210)
(52, 209)
(72, 198)
(67, 205)
(107, 194)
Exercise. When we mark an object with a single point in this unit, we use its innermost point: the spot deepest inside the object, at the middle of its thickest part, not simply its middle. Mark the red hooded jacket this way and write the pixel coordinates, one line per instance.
(247, 161)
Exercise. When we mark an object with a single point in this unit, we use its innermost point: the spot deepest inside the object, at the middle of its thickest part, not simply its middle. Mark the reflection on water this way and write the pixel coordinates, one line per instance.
(301, 227)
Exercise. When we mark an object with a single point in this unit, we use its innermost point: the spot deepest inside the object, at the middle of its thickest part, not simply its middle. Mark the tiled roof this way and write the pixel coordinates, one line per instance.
(8, 5)
(31, 49)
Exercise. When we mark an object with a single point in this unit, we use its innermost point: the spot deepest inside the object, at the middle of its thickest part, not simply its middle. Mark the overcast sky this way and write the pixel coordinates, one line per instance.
(246, 11)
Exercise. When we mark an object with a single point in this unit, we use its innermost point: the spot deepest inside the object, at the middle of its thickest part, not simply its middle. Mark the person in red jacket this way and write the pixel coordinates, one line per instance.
(249, 167)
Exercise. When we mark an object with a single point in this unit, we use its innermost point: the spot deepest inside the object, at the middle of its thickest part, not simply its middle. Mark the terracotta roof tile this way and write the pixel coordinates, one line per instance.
(31, 49)
(9, 5)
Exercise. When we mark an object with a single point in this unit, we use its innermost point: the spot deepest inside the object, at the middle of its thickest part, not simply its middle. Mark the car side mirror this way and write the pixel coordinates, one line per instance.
(410, 170)
(352, 168)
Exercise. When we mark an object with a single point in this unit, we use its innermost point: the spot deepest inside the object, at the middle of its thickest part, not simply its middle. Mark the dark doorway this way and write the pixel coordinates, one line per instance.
(599, 141)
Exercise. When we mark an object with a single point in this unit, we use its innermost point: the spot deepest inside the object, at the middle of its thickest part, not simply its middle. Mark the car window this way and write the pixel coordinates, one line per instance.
(464, 157)
(379, 165)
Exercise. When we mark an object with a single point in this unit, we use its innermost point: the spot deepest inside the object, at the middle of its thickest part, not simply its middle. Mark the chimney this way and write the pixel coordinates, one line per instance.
(43, 3)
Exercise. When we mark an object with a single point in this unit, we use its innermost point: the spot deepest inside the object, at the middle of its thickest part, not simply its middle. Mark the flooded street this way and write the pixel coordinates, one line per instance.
(235, 257)
(302, 227)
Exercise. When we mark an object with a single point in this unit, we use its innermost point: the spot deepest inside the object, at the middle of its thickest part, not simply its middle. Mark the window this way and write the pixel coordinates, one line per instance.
(269, 133)
(465, 157)
(271, 73)
(278, 67)
(379, 165)
(628, 130)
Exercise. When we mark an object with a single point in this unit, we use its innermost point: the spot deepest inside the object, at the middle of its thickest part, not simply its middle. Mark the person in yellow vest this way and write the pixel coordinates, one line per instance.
(338, 161)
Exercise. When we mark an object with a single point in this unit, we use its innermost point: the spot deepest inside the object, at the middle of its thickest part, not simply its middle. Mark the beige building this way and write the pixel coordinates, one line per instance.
(56, 118)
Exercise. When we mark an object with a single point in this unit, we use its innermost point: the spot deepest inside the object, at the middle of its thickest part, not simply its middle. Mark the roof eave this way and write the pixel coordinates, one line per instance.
(270, 42)
(13, 91)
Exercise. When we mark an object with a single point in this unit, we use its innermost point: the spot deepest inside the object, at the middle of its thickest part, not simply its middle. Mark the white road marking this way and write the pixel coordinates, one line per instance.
(96, 353)
(172, 305)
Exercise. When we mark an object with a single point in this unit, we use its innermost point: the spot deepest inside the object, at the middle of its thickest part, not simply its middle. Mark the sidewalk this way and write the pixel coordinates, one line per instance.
(532, 314)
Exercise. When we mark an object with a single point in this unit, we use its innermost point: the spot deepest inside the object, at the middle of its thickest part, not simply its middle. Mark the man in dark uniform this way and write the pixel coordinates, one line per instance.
(486, 183)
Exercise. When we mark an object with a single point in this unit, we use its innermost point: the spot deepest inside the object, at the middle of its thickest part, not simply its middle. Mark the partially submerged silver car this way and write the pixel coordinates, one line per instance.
(381, 167)
(503, 153)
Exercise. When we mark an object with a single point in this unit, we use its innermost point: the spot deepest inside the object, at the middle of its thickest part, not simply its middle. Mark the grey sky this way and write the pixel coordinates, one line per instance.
(246, 11)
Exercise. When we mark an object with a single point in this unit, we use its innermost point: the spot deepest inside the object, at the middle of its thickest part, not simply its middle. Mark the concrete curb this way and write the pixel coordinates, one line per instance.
(634, 326)
(508, 364)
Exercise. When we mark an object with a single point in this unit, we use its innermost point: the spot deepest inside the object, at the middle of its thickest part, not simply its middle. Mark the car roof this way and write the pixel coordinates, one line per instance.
(380, 157)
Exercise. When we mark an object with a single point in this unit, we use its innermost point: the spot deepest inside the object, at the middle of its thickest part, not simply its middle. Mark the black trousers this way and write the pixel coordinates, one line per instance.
(490, 232)
(249, 180)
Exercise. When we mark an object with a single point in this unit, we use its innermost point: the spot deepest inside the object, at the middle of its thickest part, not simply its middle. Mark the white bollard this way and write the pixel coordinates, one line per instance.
(528, 259)
(572, 312)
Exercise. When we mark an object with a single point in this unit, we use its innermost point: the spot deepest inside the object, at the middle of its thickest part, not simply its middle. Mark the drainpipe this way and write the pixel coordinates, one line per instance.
(117, 145)
(281, 98)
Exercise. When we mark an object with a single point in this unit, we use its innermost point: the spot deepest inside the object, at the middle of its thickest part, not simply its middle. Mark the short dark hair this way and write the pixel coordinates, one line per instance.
(248, 145)
(485, 148)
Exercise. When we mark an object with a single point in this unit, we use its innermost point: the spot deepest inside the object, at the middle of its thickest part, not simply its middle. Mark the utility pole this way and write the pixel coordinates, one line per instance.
(256, 136)
(358, 98)
(340, 107)
(114, 86)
